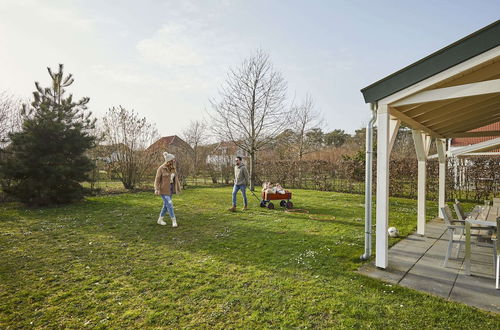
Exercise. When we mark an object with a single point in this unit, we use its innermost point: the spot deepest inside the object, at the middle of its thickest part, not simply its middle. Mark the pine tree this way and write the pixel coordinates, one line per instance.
(47, 157)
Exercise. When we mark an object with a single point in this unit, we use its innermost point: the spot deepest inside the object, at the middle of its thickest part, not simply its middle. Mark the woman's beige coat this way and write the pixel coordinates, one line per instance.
(162, 181)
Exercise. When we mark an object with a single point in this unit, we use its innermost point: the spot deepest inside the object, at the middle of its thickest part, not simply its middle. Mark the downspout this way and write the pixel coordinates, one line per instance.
(368, 183)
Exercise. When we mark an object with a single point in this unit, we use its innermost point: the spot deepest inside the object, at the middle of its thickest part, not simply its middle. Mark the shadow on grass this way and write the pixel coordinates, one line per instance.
(283, 243)
(270, 240)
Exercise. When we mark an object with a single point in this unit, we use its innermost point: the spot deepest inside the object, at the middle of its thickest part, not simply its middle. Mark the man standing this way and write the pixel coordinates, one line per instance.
(240, 183)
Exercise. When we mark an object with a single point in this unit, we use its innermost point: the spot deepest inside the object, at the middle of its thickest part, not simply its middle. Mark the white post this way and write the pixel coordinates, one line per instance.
(382, 215)
(421, 197)
(422, 144)
(441, 149)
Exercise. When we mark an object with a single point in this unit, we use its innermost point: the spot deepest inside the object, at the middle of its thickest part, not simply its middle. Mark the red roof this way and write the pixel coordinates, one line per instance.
(163, 142)
(465, 141)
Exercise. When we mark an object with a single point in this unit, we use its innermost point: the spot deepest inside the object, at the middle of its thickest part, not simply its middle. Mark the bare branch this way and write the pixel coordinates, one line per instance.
(251, 110)
(127, 138)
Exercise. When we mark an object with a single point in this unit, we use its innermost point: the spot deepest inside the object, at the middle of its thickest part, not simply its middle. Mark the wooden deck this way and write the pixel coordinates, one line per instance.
(417, 262)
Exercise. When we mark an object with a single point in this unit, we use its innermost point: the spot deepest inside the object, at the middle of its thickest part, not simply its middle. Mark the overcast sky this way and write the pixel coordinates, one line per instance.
(166, 59)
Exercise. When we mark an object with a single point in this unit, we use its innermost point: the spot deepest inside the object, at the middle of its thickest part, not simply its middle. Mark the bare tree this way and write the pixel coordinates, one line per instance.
(196, 135)
(128, 137)
(307, 120)
(10, 116)
(251, 110)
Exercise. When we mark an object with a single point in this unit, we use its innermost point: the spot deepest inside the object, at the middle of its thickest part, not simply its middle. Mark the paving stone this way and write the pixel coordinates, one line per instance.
(391, 276)
(478, 291)
(417, 262)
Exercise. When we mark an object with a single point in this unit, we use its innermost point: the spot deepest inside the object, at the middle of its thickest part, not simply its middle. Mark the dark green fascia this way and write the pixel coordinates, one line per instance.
(458, 52)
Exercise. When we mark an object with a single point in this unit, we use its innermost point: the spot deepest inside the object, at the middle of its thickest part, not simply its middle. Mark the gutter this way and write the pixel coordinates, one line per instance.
(368, 183)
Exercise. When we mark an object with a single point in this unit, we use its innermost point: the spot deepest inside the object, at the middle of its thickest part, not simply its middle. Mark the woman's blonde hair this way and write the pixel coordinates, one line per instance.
(170, 165)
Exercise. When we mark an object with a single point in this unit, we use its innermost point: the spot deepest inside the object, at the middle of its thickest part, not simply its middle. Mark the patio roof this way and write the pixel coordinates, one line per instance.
(448, 94)
(459, 51)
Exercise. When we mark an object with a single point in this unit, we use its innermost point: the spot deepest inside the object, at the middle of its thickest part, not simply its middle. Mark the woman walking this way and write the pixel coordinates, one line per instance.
(166, 184)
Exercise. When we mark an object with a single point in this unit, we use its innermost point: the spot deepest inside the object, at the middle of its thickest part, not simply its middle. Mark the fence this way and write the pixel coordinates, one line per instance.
(473, 179)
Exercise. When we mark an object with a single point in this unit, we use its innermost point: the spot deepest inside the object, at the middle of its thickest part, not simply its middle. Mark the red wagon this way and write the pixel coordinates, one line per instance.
(285, 200)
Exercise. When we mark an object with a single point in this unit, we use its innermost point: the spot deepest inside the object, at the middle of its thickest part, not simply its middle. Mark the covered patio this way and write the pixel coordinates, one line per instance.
(448, 94)
(416, 262)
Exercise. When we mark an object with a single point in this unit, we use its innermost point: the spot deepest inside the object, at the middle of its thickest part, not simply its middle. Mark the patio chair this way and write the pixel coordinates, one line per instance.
(455, 229)
(459, 210)
(494, 238)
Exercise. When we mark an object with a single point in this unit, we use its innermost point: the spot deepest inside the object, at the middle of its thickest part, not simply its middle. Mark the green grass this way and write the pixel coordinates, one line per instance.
(106, 263)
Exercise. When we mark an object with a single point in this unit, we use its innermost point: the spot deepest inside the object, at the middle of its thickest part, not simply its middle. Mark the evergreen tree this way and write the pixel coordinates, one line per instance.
(47, 158)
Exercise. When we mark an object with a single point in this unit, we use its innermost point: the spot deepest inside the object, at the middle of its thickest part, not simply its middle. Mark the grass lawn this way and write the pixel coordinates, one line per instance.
(106, 263)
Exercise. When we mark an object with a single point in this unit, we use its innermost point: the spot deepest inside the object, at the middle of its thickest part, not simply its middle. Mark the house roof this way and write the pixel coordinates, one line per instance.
(229, 146)
(465, 141)
(445, 58)
(166, 141)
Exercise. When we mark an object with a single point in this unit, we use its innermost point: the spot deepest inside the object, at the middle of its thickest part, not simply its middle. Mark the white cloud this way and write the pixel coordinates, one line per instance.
(170, 47)
(44, 13)
(65, 17)
(119, 74)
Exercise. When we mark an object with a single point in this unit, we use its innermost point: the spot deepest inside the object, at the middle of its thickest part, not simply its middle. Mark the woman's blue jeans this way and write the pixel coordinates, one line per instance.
(243, 188)
(168, 206)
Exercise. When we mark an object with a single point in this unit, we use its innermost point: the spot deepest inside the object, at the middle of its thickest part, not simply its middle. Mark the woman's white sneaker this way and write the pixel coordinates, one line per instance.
(174, 222)
(161, 222)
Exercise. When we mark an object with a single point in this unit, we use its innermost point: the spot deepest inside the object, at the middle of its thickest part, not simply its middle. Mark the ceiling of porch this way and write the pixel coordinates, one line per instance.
(456, 106)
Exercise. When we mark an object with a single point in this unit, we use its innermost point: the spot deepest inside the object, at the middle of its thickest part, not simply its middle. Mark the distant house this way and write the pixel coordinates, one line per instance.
(173, 144)
(110, 153)
(466, 141)
(461, 163)
(223, 154)
(180, 148)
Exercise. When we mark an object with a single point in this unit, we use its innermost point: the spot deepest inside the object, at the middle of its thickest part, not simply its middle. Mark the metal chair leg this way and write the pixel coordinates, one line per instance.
(448, 253)
(498, 270)
(458, 250)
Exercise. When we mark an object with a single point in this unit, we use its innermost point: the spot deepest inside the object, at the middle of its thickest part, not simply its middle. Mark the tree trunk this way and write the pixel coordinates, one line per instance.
(252, 171)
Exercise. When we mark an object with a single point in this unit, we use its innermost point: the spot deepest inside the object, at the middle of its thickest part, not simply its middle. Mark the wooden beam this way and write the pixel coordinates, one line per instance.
(449, 106)
(421, 142)
(464, 105)
(478, 147)
(484, 111)
(413, 110)
(441, 149)
(427, 145)
(491, 153)
(421, 182)
(446, 93)
(474, 134)
(470, 124)
(464, 120)
(413, 123)
(486, 72)
(480, 60)
(393, 131)
(382, 210)
(422, 146)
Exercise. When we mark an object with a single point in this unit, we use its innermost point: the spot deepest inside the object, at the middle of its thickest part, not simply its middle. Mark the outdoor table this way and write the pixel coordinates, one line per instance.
(480, 215)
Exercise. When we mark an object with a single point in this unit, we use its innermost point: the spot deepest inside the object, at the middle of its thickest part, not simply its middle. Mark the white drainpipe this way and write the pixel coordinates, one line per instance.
(368, 183)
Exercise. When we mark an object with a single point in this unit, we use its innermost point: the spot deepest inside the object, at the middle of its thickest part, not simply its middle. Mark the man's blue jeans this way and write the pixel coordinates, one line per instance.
(243, 188)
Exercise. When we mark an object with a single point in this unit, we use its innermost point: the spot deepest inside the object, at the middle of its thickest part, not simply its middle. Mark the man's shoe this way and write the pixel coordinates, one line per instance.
(232, 209)
(161, 222)
(244, 208)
